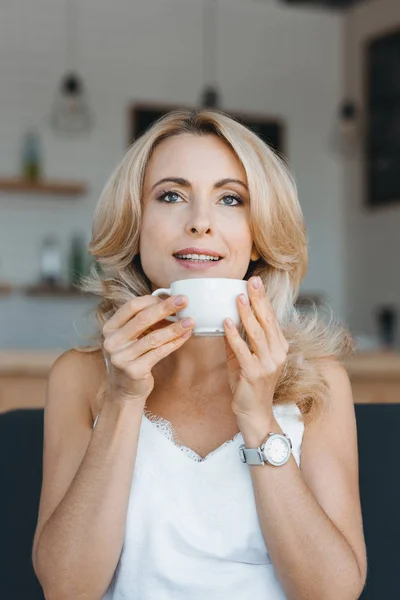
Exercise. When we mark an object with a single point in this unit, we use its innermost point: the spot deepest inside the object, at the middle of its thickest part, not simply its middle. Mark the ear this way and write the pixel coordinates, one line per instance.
(254, 254)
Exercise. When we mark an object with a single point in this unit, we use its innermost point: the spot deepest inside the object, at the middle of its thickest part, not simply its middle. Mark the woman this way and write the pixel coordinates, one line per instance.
(155, 501)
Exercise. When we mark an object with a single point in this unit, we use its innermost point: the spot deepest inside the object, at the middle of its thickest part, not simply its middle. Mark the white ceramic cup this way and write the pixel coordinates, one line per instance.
(210, 302)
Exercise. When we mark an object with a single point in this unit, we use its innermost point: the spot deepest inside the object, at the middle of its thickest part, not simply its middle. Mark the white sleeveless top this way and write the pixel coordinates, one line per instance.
(192, 530)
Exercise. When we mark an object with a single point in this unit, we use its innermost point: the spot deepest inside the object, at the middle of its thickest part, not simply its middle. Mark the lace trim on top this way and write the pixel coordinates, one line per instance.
(167, 429)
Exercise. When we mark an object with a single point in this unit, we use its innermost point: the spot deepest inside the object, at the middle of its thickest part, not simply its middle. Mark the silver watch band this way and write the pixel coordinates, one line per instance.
(251, 456)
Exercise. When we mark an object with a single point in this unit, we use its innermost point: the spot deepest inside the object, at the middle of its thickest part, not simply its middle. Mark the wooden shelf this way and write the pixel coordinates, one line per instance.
(45, 186)
(5, 289)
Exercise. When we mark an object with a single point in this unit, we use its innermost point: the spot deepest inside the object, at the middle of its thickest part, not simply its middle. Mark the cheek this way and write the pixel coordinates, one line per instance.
(156, 233)
(239, 235)
(150, 227)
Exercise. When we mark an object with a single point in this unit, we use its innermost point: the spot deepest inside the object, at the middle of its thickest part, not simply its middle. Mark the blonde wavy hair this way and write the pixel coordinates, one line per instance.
(278, 232)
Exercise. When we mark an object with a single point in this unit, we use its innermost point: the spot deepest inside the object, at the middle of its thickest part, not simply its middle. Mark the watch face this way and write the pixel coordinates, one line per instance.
(277, 450)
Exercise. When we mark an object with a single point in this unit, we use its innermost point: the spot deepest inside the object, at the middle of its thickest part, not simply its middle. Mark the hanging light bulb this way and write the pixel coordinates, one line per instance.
(71, 111)
(210, 97)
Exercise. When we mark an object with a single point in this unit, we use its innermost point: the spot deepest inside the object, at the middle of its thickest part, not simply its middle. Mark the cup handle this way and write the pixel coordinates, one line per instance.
(165, 292)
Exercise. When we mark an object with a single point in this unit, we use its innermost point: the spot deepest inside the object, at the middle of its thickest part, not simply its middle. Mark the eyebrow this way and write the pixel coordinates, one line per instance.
(184, 183)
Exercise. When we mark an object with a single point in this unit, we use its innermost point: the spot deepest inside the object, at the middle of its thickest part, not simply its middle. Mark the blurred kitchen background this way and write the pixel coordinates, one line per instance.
(80, 79)
(74, 76)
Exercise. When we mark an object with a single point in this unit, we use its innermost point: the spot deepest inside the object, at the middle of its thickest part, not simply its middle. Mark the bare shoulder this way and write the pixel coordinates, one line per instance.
(339, 397)
(81, 373)
(335, 421)
(334, 373)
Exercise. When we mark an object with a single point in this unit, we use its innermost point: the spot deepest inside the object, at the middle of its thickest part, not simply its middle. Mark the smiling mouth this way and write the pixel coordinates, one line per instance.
(198, 258)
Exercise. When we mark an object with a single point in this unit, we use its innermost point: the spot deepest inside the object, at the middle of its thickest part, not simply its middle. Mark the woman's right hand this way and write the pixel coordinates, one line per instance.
(133, 347)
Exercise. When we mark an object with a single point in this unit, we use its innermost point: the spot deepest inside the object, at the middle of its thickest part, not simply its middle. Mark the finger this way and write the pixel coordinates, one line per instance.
(127, 311)
(264, 313)
(240, 349)
(143, 365)
(283, 340)
(153, 340)
(142, 322)
(255, 332)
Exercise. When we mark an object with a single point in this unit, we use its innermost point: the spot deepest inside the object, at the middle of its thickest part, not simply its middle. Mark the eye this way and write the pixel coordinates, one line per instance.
(231, 197)
(168, 197)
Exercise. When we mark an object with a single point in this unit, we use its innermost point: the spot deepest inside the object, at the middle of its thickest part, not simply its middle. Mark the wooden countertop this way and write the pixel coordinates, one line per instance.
(374, 365)
(36, 363)
(27, 363)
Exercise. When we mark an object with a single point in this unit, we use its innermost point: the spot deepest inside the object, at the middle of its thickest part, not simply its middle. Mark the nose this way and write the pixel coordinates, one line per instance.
(199, 221)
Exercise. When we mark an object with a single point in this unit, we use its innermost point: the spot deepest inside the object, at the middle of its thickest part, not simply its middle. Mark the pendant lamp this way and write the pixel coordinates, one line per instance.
(210, 97)
(71, 112)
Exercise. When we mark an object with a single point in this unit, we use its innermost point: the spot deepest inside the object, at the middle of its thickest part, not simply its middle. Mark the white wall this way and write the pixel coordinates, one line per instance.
(272, 60)
(373, 274)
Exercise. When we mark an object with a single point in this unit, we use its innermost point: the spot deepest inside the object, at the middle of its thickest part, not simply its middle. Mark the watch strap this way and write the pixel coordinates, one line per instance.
(251, 456)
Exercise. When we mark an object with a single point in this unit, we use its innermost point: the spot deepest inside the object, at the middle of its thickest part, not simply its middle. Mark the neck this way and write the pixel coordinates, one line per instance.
(196, 362)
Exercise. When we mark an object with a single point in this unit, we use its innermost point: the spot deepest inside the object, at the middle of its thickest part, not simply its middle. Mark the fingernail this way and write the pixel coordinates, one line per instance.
(229, 323)
(256, 283)
(243, 299)
(187, 323)
(179, 301)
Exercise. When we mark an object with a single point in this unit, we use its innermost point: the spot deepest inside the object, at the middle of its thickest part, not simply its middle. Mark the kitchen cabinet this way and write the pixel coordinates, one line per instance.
(375, 377)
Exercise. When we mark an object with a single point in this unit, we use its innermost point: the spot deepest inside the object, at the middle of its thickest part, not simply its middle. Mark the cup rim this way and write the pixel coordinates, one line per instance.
(208, 278)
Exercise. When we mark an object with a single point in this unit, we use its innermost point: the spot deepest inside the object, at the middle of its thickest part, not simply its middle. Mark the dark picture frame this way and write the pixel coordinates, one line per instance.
(269, 129)
(382, 119)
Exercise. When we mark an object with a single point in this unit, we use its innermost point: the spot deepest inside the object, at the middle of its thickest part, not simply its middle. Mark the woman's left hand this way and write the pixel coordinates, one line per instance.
(254, 372)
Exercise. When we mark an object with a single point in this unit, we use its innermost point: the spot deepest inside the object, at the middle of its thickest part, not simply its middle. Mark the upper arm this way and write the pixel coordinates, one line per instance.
(329, 461)
(67, 429)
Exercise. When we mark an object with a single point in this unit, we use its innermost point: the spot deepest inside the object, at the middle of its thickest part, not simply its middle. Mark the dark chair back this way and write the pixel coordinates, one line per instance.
(21, 446)
(378, 427)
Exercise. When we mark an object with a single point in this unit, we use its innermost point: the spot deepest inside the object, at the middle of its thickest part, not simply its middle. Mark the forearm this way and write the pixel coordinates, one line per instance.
(79, 546)
(310, 555)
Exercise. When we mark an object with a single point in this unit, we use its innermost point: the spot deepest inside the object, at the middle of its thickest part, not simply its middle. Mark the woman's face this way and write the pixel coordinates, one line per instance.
(195, 196)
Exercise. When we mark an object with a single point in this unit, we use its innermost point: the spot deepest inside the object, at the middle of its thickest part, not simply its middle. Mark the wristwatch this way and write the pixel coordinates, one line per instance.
(274, 451)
